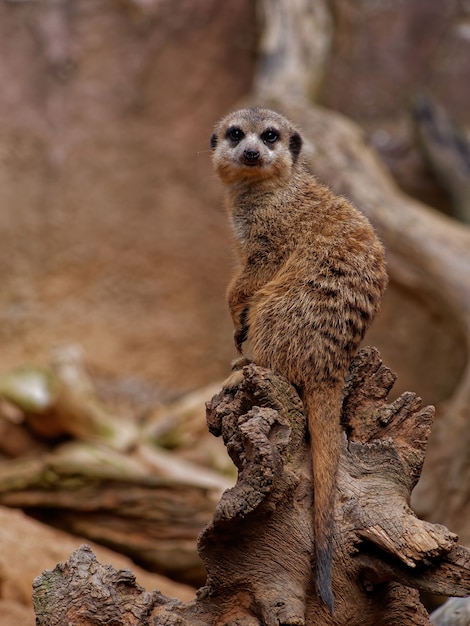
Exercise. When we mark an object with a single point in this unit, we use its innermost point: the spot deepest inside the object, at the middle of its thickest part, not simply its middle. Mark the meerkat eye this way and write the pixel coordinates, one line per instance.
(270, 136)
(235, 134)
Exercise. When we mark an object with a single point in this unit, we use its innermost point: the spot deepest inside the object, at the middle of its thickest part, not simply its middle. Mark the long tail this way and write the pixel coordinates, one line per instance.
(323, 407)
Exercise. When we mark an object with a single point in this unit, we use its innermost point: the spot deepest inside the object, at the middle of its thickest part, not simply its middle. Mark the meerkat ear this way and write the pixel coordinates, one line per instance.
(213, 141)
(295, 145)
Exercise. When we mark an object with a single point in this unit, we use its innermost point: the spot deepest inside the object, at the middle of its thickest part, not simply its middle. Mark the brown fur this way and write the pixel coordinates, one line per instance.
(311, 278)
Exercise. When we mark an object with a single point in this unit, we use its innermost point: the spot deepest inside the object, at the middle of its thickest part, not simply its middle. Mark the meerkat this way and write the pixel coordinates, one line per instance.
(311, 277)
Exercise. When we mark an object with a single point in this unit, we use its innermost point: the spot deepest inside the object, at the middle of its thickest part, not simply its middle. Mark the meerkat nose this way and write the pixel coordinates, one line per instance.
(251, 155)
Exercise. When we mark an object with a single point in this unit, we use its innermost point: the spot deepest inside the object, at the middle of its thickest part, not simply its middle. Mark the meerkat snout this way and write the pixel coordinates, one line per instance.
(250, 156)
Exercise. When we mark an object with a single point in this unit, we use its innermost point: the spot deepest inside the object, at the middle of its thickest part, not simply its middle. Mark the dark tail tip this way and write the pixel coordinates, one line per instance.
(323, 576)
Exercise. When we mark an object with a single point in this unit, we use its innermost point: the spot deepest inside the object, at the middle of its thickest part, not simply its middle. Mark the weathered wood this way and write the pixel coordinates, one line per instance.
(257, 549)
(109, 498)
(122, 491)
(454, 612)
(120, 599)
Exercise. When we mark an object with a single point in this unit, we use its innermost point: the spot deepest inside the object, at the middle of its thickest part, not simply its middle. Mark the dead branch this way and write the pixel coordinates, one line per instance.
(113, 484)
(110, 498)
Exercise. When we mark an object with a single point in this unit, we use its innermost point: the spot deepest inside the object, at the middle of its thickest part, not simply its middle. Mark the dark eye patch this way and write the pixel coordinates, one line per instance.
(270, 135)
(234, 133)
(295, 145)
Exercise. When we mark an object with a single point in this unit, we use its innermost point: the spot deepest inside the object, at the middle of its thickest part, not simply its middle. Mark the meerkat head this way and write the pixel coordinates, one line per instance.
(255, 145)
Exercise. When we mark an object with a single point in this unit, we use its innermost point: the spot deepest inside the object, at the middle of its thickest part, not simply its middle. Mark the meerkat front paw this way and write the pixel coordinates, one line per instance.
(236, 377)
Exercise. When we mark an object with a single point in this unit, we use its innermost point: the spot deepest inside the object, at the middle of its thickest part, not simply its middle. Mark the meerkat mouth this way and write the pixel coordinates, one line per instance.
(251, 162)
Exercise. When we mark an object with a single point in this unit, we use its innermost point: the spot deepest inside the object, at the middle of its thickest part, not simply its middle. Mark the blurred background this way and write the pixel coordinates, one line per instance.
(113, 232)
(114, 242)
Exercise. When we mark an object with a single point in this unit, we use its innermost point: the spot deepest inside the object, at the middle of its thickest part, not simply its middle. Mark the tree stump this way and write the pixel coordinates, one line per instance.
(257, 548)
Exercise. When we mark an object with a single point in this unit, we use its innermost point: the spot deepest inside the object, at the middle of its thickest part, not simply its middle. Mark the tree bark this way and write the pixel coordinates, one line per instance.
(257, 549)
